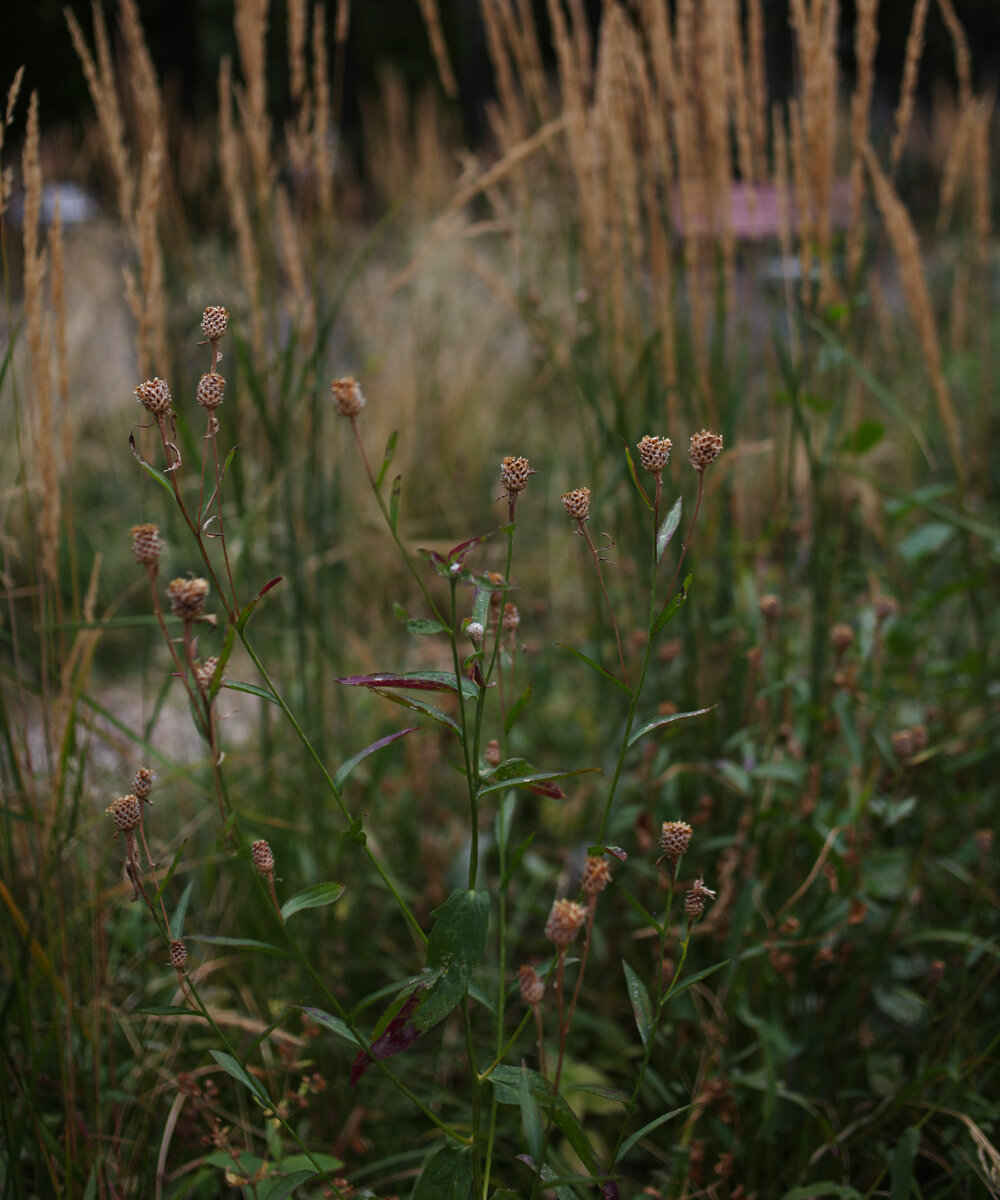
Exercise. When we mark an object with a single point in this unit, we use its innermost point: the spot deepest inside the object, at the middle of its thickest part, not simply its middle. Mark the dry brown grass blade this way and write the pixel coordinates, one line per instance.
(908, 88)
(906, 247)
(435, 33)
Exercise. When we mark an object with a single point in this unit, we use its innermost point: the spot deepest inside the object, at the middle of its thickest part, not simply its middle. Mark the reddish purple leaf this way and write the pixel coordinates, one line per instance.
(398, 1036)
(553, 790)
(423, 681)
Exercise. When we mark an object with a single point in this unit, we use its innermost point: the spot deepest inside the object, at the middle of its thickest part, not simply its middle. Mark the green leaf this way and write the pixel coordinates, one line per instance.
(242, 944)
(672, 606)
(170, 871)
(643, 912)
(660, 722)
(509, 1083)
(418, 704)
(595, 666)
(387, 457)
(455, 946)
(812, 1191)
(156, 473)
(691, 980)
(241, 1075)
(397, 485)
(334, 1024)
(169, 1010)
(927, 539)
(251, 689)
(864, 438)
(346, 768)
(533, 778)
(447, 1175)
(639, 1134)
(314, 897)
(516, 709)
(902, 1163)
(245, 614)
(531, 1115)
(642, 1009)
(284, 1185)
(515, 861)
(668, 527)
(635, 478)
(900, 1003)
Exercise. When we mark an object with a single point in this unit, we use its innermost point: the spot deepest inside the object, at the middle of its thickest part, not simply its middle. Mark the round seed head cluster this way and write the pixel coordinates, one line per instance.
(348, 399)
(675, 837)
(262, 857)
(596, 876)
(842, 635)
(514, 473)
(142, 785)
(908, 743)
(654, 452)
(493, 753)
(204, 673)
(886, 607)
(770, 606)
(694, 900)
(511, 618)
(565, 922)
(577, 503)
(211, 391)
(178, 954)
(214, 321)
(531, 984)
(705, 449)
(126, 812)
(187, 598)
(154, 396)
(147, 545)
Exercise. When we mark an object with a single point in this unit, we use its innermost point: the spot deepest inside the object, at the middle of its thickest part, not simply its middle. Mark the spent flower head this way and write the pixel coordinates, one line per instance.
(147, 545)
(142, 785)
(705, 449)
(577, 503)
(214, 322)
(654, 452)
(596, 875)
(531, 985)
(565, 921)
(204, 673)
(348, 399)
(178, 954)
(211, 391)
(675, 837)
(126, 812)
(263, 858)
(187, 598)
(154, 396)
(694, 900)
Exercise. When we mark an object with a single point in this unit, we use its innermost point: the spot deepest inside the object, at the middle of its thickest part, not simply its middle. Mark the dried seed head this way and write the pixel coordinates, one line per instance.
(262, 857)
(654, 452)
(214, 321)
(705, 449)
(204, 673)
(596, 875)
(842, 635)
(514, 473)
(694, 900)
(178, 954)
(154, 396)
(565, 922)
(511, 618)
(474, 632)
(493, 753)
(126, 812)
(348, 398)
(211, 391)
(984, 839)
(770, 606)
(886, 607)
(908, 743)
(142, 785)
(675, 837)
(187, 598)
(147, 545)
(577, 503)
(531, 984)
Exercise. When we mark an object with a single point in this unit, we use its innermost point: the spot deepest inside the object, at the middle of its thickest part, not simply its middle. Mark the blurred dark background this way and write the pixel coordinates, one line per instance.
(188, 37)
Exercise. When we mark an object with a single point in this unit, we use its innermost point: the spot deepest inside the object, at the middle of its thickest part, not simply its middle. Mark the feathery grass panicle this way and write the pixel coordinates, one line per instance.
(865, 45)
(963, 57)
(6, 174)
(322, 162)
(908, 87)
(250, 22)
(142, 80)
(145, 289)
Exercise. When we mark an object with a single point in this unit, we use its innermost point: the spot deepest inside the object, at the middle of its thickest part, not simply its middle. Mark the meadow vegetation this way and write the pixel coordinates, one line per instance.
(499, 685)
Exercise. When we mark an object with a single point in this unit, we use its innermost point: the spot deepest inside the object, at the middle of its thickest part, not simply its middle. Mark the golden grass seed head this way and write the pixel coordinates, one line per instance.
(531, 985)
(596, 875)
(147, 545)
(654, 452)
(694, 900)
(187, 598)
(577, 503)
(565, 921)
(263, 858)
(214, 322)
(142, 785)
(705, 449)
(154, 396)
(675, 837)
(348, 399)
(211, 391)
(178, 954)
(514, 473)
(126, 812)
(204, 673)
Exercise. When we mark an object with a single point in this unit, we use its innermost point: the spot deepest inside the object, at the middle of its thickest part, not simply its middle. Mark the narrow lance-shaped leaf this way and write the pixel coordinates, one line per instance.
(595, 666)
(661, 722)
(635, 479)
(317, 896)
(390, 450)
(346, 768)
(668, 527)
(397, 485)
(416, 681)
(641, 1006)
